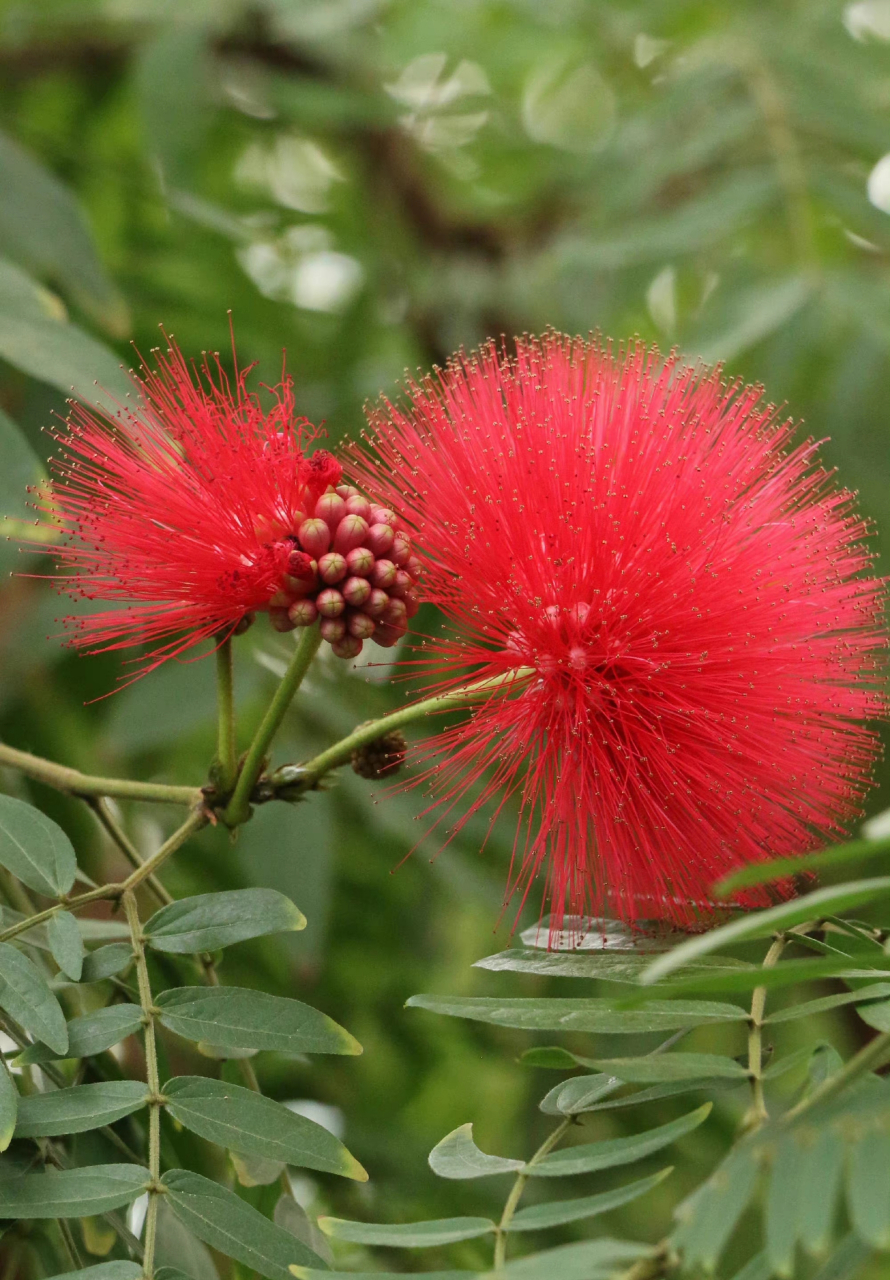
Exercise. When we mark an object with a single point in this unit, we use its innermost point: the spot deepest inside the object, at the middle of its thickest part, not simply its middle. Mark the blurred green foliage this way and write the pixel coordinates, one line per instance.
(368, 185)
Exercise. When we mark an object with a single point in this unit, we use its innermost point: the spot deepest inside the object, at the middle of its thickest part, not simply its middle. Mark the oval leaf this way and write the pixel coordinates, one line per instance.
(582, 1261)
(616, 1151)
(25, 995)
(89, 1034)
(9, 1101)
(408, 1235)
(71, 1193)
(234, 1018)
(244, 1121)
(557, 1213)
(35, 849)
(214, 920)
(457, 1156)
(107, 961)
(219, 1218)
(79, 1108)
(66, 944)
(581, 1015)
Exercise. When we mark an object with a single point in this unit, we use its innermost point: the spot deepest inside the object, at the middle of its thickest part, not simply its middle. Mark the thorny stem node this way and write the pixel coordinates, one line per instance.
(757, 1112)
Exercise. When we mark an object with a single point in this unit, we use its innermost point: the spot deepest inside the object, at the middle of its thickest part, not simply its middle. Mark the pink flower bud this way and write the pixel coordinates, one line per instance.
(414, 567)
(387, 636)
(355, 591)
(332, 567)
(315, 537)
(350, 533)
(347, 491)
(331, 508)
(348, 647)
(401, 549)
(395, 614)
(356, 505)
(280, 620)
(360, 625)
(280, 600)
(383, 574)
(412, 603)
(296, 587)
(244, 624)
(383, 515)
(332, 629)
(360, 562)
(330, 603)
(402, 585)
(380, 538)
(302, 613)
(375, 603)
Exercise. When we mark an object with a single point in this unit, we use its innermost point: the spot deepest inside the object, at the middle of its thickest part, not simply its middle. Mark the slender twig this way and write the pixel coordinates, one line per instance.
(195, 821)
(238, 808)
(757, 1112)
(226, 752)
(500, 1243)
(126, 846)
(70, 1244)
(76, 783)
(340, 753)
(153, 1080)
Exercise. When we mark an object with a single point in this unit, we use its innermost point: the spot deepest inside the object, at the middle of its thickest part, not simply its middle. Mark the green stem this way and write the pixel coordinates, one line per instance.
(238, 808)
(193, 823)
(127, 848)
(869, 1058)
(153, 1081)
(225, 704)
(500, 1244)
(341, 752)
(757, 1112)
(81, 784)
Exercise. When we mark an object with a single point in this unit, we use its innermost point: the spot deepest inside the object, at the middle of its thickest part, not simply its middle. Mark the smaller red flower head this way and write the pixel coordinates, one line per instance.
(199, 507)
(682, 596)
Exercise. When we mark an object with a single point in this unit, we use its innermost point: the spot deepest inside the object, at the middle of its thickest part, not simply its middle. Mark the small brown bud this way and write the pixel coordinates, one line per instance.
(381, 758)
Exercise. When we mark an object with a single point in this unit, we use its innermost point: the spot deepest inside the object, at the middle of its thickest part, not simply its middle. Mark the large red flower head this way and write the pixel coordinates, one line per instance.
(199, 506)
(680, 593)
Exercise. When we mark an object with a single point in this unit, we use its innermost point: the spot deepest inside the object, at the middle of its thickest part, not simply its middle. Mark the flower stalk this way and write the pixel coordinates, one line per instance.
(225, 701)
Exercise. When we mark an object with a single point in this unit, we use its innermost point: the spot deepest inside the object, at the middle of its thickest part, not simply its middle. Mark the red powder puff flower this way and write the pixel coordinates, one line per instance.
(686, 587)
(198, 507)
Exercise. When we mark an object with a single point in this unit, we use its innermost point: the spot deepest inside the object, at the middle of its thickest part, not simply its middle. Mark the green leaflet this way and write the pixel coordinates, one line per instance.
(558, 1212)
(247, 1122)
(34, 848)
(588, 1260)
(26, 996)
(107, 961)
(89, 1034)
(665, 1068)
(233, 1018)
(616, 1151)
(457, 1156)
(66, 944)
(78, 1108)
(591, 1015)
(604, 966)
(106, 1271)
(71, 1193)
(211, 921)
(225, 1222)
(708, 1217)
(408, 1235)
(762, 924)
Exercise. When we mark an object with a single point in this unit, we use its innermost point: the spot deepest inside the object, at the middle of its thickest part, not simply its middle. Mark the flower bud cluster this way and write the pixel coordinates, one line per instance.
(351, 569)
